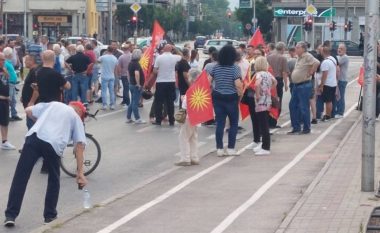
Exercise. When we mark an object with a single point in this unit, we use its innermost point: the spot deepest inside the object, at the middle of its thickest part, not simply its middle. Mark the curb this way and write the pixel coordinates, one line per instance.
(293, 212)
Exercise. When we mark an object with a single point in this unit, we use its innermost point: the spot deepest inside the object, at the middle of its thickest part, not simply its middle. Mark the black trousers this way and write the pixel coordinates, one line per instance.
(280, 93)
(254, 120)
(165, 94)
(33, 149)
(264, 128)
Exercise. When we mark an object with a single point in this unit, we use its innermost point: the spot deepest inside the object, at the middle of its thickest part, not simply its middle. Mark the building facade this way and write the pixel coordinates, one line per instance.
(54, 18)
(290, 16)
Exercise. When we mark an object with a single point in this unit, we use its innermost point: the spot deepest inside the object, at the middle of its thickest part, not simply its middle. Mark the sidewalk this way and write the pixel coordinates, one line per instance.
(334, 201)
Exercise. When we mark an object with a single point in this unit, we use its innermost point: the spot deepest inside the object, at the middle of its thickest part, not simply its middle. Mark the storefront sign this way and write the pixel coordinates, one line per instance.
(301, 12)
(245, 4)
(52, 19)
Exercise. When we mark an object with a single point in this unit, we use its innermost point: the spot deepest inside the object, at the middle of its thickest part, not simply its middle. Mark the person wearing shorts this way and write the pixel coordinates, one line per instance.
(4, 105)
(328, 82)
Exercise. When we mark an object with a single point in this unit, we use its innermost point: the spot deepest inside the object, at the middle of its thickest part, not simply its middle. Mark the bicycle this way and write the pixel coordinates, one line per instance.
(92, 155)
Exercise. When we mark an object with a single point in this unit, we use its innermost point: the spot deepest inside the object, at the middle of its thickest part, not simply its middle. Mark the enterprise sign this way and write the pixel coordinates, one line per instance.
(301, 12)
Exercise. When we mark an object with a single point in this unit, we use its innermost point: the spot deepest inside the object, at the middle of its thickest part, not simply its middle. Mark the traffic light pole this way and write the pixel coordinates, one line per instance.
(370, 64)
(136, 29)
(345, 17)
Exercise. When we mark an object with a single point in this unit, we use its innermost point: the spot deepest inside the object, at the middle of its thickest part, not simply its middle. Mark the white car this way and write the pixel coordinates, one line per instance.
(74, 39)
(219, 43)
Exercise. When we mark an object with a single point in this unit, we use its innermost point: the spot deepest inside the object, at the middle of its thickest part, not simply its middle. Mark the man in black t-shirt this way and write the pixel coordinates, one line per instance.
(209, 60)
(4, 105)
(182, 68)
(27, 90)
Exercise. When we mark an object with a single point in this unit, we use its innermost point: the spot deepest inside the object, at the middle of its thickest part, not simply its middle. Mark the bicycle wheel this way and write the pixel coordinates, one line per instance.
(92, 155)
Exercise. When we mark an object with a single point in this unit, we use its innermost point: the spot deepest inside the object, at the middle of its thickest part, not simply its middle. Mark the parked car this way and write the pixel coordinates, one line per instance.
(199, 42)
(74, 40)
(352, 47)
(141, 41)
(219, 43)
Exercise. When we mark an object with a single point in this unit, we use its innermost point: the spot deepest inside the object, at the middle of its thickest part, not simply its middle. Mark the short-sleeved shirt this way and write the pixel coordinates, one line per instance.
(264, 80)
(27, 90)
(134, 65)
(343, 65)
(165, 63)
(11, 71)
(108, 62)
(35, 50)
(182, 67)
(224, 78)
(4, 86)
(79, 62)
(301, 69)
(57, 124)
(329, 65)
(50, 84)
(123, 63)
(278, 63)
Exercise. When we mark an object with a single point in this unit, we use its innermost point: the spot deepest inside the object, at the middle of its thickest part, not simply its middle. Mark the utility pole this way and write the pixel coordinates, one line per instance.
(25, 2)
(331, 18)
(2, 16)
(370, 64)
(306, 32)
(109, 30)
(345, 17)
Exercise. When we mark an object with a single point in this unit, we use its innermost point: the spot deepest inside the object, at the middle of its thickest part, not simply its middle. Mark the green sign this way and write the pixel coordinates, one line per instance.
(301, 12)
(245, 3)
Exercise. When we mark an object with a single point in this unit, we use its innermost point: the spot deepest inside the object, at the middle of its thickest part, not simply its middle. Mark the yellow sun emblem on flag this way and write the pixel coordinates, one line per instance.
(144, 61)
(199, 99)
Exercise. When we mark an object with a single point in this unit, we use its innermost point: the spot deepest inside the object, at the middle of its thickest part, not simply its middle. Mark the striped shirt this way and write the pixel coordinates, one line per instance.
(224, 78)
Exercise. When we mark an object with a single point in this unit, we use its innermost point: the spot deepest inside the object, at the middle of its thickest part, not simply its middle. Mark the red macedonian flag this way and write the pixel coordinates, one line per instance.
(199, 101)
(146, 60)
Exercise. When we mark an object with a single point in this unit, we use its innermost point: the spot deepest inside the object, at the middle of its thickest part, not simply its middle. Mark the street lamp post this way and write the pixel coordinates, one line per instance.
(254, 21)
(25, 1)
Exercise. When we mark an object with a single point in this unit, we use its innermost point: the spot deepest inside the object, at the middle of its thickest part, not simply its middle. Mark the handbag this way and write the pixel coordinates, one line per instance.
(180, 116)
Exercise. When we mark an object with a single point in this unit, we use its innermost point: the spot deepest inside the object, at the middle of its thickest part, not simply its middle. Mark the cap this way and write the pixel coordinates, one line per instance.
(81, 106)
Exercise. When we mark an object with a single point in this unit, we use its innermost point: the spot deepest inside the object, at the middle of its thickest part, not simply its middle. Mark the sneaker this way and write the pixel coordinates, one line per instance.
(7, 146)
(104, 107)
(195, 162)
(112, 107)
(254, 145)
(220, 152)
(129, 121)
(293, 132)
(9, 222)
(231, 152)
(257, 148)
(306, 131)
(49, 220)
(338, 116)
(314, 121)
(183, 163)
(15, 118)
(326, 118)
(262, 152)
(140, 121)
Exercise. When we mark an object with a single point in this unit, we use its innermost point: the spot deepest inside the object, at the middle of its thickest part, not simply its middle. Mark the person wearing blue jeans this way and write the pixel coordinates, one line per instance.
(226, 106)
(320, 106)
(80, 87)
(108, 64)
(8, 53)
(299, 106)
(108, 84)
(342, 80)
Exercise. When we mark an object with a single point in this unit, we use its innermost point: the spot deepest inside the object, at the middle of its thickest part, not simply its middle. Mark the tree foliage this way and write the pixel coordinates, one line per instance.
(264, 16)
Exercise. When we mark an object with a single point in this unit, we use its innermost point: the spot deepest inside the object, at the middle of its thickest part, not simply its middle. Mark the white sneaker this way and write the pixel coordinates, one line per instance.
(254, 145)
(220, 152)
(231, 152)
(140, 121)
(262, 152)
(112, 107)
(257, 148)
(7, 146)
(337, 116)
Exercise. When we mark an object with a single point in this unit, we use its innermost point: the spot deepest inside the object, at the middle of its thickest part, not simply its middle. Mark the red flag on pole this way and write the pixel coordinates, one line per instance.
(361, 76)
(146, 60)
(199, 102)
(257, 39)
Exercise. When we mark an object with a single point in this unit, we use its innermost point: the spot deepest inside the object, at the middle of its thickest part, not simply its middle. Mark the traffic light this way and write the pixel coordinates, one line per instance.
(308, 24)
(333, 26)
(349, 26)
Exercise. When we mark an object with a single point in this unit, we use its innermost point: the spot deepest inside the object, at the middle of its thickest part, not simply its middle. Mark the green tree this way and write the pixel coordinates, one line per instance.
(264, 16)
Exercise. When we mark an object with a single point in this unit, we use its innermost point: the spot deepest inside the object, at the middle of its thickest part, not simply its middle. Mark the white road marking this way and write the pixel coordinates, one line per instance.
(161, 198)
(263, 189)
(146, 128)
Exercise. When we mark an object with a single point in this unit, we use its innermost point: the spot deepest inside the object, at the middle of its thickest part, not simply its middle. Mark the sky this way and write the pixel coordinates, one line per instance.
(234, 4)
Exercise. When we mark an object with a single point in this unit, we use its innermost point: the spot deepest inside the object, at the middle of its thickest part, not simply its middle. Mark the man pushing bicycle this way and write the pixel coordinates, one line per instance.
(56, 125)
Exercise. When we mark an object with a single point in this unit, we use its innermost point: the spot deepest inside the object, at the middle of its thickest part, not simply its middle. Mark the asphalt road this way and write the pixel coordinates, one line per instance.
(135, 155)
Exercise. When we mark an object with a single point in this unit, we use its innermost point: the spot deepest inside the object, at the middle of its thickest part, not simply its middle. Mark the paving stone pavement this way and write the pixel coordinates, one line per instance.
(336, 203)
